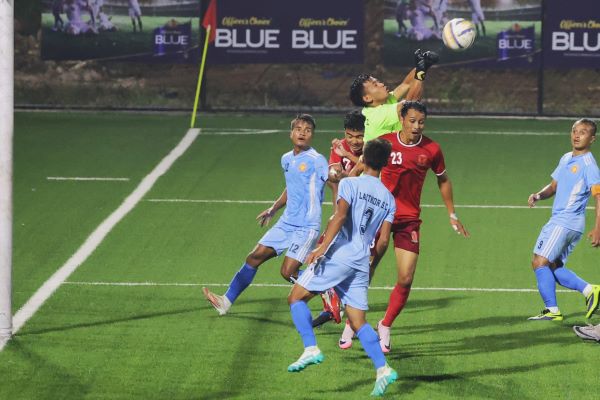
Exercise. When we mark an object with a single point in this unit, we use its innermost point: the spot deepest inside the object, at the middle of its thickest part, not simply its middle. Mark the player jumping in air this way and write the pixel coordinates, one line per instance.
(298, 228)
(364, 206)
(574, 179)
(381, 107)
(413, 154)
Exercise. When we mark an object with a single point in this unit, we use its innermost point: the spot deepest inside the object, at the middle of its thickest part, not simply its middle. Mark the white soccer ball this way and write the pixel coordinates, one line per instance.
(459, 34)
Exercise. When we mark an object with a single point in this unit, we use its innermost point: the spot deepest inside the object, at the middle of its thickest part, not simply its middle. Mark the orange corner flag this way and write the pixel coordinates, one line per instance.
(210, 19)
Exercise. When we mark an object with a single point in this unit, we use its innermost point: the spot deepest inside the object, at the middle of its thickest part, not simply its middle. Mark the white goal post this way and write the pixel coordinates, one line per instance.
(6, 164)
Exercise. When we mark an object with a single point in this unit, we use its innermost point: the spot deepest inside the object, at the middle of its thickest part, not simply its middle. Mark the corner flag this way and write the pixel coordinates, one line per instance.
(209, 22)
(210, 19)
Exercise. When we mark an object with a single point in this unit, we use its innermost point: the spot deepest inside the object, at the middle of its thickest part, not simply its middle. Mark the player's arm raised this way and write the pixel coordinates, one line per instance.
(333, 227)
(264, 217)
(594, 235)
(545, 193)
(445, 186)
(401, 91)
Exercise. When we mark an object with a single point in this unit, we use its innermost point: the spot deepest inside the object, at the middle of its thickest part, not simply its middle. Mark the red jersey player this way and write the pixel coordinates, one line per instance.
(413, 154)
(346, 152)
(344, 156)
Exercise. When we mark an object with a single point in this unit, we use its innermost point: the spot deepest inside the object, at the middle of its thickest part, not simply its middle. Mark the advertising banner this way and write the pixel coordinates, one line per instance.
(508, 32)
(572, 34)
(173, 40)
(516, 45)
(121, 30)
(276, 31)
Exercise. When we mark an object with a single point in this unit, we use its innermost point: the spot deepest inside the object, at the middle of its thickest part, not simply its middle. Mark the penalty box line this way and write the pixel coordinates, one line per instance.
(98, 235)
(285, 285)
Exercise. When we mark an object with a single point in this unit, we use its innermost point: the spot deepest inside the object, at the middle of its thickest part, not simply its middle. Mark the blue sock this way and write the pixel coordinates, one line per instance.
(569, 279)
(303, 321)
(546, 285)
(370, 342)
(240, 282)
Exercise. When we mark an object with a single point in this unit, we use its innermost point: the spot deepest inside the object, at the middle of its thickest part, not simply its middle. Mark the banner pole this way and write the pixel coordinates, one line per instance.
(6, 166)
(200, 74)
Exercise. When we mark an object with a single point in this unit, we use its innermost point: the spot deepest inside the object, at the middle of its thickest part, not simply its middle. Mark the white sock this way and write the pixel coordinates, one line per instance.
(348, 333)
(382, 370)
(226, 303)
(587, 290)
(310, 350)
(554, 310)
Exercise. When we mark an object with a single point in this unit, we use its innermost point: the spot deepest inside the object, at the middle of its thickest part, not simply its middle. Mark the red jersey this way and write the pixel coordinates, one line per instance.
(347, 164)
(405, 173)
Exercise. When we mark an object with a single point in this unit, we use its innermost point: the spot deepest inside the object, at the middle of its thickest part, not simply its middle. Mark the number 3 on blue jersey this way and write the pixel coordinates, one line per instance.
(366, 218)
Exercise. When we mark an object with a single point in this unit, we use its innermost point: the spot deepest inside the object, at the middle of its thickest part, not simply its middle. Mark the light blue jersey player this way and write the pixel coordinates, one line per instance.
(364, 206)
(574, 179)
(306, 172)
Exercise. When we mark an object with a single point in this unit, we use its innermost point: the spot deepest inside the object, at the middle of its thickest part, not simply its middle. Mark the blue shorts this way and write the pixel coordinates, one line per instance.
(298, 241)
(350, 284)
(555, 243)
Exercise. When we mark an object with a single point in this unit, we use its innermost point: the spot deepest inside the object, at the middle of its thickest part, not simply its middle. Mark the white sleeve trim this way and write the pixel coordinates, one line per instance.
(441, 173)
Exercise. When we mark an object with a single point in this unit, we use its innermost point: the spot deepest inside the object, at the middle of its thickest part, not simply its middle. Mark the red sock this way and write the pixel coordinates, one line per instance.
(398, 299)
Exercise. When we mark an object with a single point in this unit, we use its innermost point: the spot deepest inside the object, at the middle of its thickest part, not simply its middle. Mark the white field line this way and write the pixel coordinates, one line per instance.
(82, 178)
(224, 201)
(287, 285)
(248, 131)
(94, 240)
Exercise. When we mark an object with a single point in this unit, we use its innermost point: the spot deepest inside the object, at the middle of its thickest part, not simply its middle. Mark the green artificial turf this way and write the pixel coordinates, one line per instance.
(91, 341)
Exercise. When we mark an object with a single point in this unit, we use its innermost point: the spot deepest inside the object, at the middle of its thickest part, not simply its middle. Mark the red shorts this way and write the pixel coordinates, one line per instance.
(406, 235)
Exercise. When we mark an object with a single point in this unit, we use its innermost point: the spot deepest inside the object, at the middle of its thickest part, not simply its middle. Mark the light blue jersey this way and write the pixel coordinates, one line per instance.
(575, 177)
(305, 177)
(370, 204)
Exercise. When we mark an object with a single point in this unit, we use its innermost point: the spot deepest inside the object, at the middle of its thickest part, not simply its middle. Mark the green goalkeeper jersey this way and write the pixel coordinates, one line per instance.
(382, 119)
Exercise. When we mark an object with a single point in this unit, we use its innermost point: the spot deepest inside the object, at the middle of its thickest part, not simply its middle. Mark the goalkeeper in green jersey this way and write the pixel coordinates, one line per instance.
(381, 107)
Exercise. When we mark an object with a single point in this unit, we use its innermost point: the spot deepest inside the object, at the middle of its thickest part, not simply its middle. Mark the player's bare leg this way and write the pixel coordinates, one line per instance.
(259, 255)
(289, 269)
(345, 341)
(241, 280)
(406, 265)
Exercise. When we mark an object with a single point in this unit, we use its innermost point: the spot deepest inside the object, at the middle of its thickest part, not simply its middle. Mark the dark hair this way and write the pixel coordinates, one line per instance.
(589, 122)
(304, 117)
(415, 105)
(357, 90)
(354, 121)
(376, 153)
